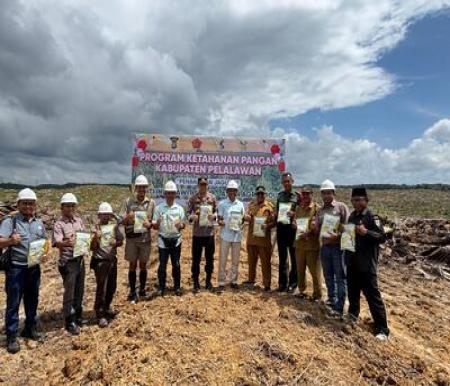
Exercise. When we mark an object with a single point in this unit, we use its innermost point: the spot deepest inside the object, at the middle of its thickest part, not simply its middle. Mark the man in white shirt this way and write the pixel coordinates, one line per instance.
(230, 218)
(169, 218)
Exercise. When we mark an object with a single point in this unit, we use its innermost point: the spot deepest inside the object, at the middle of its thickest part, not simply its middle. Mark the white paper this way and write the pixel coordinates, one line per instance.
(302, 226)
(348, 238)
(283, 209)
(168, 223)
(235, 221)
(330, 225)
(205, 211)
(82, 244)
(258, 222)
(139, 218)
(108, 236)
(36, 251)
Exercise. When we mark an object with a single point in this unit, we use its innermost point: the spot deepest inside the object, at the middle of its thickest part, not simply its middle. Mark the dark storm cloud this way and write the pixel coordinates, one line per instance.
(77, 79)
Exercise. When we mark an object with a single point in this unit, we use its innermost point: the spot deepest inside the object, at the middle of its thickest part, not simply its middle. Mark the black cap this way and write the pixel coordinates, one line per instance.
(306, 189)
(202, 180)
(359, 192)
(260, 189)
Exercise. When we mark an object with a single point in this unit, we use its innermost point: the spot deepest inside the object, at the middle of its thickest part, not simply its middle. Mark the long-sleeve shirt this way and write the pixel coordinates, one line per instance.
(194, 204)
(265, 209)
(367, 247)
(227, 209)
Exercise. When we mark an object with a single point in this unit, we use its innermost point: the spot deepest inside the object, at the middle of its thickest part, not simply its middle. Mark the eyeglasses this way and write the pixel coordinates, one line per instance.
(28, 203)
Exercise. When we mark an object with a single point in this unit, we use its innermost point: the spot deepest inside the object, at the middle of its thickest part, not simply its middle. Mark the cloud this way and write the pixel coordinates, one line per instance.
(76, 79)
(350, 161)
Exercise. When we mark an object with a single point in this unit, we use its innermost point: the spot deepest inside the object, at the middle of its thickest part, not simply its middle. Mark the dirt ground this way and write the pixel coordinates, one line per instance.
(244, 337)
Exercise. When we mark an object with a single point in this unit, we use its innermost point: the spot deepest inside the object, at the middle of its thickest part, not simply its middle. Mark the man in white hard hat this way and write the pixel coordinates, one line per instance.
(136, 216)
(24, 237)
(203, 234)
(71, 263)
(169, 219)
(230, 218)
(107, 238)
(328, 223)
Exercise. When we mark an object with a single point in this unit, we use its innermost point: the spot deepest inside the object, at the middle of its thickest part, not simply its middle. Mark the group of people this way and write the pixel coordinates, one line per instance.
(325, 239)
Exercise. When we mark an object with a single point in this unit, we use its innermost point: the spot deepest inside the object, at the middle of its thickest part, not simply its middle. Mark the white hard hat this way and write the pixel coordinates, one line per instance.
(170, 186)
(232, 184)
(105, 208)
(26, 194)
(69, 198)
(141, 180)
(327, 185)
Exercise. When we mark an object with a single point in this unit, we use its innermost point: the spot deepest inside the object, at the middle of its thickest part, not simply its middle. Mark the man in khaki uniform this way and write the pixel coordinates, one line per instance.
(138, 207)
(307, 247)
(259, 245)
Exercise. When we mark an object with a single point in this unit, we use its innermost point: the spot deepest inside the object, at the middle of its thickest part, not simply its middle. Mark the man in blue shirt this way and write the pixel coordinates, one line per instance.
(169, 218)
(24, 236)
(230, 218)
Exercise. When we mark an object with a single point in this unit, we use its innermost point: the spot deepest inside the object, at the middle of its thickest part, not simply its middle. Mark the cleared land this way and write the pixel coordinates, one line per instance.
(249, 337)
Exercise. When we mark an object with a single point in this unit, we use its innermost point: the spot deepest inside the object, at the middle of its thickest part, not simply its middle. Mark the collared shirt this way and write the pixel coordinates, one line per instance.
(292, 197)
(310, 212)
(367, 247)
(167, 215)
(225, 209)
(336, 208)
(108, 252)
(265, 209)
(64, 229)
(131, 204)
(28, 229)
(194, 208)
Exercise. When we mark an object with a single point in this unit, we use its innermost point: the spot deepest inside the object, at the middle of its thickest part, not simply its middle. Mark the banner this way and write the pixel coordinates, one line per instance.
(249, 161)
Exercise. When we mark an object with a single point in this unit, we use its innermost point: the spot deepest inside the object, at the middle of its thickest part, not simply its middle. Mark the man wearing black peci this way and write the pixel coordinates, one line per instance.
(362, 264)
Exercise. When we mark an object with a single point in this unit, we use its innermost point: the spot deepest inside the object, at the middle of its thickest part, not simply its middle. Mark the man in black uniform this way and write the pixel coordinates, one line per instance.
(286, 235)
(362, 264)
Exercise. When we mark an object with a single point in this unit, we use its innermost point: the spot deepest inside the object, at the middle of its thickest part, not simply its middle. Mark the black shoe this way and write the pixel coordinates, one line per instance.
(196, 287)
(208, 285)
(111, 314)
(72, 328)
(12, 344)
(160, 292)
(220, 289)
(234, 286)
(178, 291)
(31, 333)
(291, 289)
(133, 298)
(143, 295)
(281, 289)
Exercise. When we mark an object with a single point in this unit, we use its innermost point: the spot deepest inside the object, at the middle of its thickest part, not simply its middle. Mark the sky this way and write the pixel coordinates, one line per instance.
(359, 88)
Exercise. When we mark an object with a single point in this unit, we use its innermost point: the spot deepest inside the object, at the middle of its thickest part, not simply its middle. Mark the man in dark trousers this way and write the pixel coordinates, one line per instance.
(287, 202)
(362, 264)
(202, 208)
